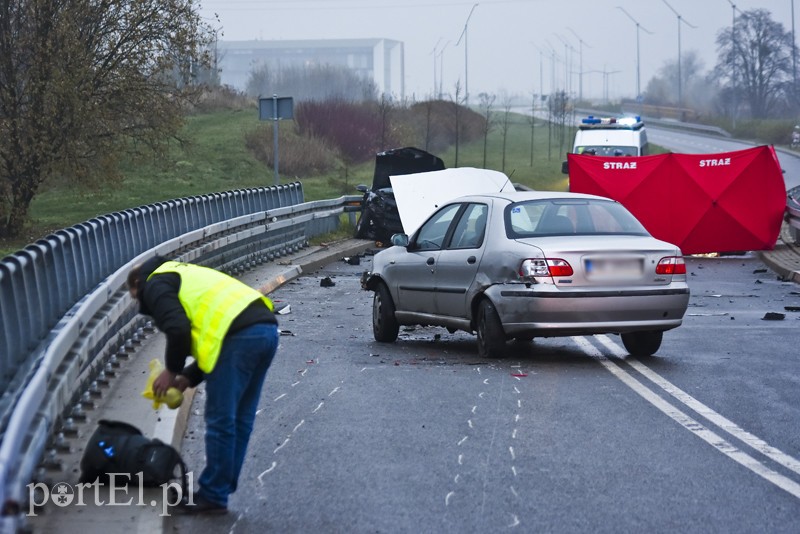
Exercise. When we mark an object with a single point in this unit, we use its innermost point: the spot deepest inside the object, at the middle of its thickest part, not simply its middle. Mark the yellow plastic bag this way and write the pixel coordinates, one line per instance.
(173, 398)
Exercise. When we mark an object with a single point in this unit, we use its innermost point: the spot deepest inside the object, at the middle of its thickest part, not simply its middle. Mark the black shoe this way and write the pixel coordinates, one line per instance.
(201, 506)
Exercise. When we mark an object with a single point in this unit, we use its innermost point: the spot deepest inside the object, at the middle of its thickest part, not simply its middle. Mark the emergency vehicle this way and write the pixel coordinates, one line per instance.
(610, 136)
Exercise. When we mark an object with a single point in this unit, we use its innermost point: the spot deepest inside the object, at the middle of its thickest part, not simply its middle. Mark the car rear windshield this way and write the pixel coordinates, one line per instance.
(536, 218)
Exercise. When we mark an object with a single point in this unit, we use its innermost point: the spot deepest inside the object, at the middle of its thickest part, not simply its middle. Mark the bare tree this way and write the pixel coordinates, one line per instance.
(760, 52)
(485, 102)
(504, 127)
(457, 118)
(82, 82)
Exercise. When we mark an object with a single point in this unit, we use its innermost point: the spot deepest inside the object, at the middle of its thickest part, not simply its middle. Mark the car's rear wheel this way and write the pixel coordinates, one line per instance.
(384, 324)
(491, 337)
(642, 344)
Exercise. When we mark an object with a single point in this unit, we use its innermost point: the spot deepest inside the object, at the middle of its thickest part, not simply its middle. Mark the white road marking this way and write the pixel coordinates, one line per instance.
(447, 498)
(710, 437)
(266, 471)
(515, 522)
(721, 421)
(334, 391)
(460, 459)
(469, 422)
(282, 445)
(315, 410)
(462, 440)
(298, 425)
(279, 397)
(511, 450)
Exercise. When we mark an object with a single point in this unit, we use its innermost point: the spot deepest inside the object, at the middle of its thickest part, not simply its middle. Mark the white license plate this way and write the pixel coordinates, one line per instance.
(614, 268)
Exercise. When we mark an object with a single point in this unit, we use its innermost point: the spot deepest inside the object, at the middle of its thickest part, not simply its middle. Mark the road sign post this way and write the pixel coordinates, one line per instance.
(275, 108)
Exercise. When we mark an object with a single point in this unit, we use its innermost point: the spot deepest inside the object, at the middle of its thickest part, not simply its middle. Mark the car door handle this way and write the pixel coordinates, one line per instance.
(430, 261)
(471, 260)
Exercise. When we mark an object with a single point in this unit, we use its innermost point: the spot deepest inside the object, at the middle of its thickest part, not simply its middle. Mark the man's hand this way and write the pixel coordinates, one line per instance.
(181, 382)
(164, 381)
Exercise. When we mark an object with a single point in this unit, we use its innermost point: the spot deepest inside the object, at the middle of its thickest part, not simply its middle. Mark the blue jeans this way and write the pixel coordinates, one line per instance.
(233, 389)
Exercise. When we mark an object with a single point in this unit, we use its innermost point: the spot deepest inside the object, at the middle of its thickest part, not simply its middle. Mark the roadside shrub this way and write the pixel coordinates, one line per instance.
(301, 156)
(222, 97)
(353, 128)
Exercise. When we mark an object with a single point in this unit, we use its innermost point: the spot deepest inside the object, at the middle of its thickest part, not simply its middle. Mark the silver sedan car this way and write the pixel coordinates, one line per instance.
(519, 265)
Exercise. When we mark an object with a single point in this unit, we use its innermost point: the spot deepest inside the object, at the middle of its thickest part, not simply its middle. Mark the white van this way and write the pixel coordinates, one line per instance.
(625, 136)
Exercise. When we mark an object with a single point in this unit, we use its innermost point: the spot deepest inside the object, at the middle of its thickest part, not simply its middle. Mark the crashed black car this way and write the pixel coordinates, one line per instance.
(379, 218)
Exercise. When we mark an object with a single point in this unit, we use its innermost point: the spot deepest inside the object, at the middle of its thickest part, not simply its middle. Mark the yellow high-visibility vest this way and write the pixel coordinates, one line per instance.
(211, 300)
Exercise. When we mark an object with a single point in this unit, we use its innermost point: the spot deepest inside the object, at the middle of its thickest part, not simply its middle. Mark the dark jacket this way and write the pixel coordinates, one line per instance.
(158, 298)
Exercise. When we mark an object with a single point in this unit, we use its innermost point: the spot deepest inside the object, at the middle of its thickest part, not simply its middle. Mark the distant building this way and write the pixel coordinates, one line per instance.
(381, 60)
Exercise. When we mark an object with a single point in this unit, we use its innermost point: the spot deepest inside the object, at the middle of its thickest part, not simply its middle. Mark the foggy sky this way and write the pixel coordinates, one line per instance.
(509, 43)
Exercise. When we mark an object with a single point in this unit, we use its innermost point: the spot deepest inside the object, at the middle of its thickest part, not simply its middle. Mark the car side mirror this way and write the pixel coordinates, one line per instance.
(400, 240)
(363, 188)
(565, 167)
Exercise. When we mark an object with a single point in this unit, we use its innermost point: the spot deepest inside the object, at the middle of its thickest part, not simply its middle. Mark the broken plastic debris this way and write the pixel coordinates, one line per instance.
(773, 316)
(283, 310)
(286, 332)
(792, 308)
(352, 260)
(327, 282)
(519, 375)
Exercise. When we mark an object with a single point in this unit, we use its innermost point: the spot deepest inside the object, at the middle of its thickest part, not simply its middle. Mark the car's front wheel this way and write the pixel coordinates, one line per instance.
(642, 344)
(384, 324)
(491, 337)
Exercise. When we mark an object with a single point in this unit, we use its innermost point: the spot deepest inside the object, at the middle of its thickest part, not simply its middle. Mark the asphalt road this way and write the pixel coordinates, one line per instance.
(562, 435)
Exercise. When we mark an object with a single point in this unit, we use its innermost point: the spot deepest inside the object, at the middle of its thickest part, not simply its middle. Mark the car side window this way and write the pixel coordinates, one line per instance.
(471, 227)
(431, 234)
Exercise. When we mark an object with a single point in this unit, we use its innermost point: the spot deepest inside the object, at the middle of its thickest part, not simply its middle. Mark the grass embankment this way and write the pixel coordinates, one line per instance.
(215, 159)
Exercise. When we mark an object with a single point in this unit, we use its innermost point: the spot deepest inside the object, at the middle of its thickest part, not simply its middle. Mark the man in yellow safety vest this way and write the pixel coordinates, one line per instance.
(231, 332)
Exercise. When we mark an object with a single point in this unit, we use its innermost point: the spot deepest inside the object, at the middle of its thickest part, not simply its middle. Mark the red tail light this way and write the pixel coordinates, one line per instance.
(545, 267)
(671, 265)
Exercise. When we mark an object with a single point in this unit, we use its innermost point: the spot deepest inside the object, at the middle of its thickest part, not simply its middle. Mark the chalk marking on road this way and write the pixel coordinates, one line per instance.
(334, 391)
(279, 397)
(293, 385)
(478, 369)
(481, 394)
(462, 440)
(514, 434)
(516, 390)
(721, 421)
(511, 450)
(518, 379)
(270, 468)
(460, 459)
(447, 498)
(514, 491)
(298, 425)
(516, 366)
(519, 403)
(516, 418)
(486, 381)
(515, 522)
(474, 408)
(469, 422)
(457, 478)
(709, 436)
(282, 445)
(303, 372)
(315, 410)
(514, 470)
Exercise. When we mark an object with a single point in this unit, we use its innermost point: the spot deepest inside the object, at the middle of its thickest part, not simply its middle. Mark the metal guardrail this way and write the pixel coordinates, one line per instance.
(67, 316)
(793, 212)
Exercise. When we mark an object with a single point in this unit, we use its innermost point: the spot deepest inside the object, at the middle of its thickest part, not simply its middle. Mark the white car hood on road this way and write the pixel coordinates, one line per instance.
(420, 194)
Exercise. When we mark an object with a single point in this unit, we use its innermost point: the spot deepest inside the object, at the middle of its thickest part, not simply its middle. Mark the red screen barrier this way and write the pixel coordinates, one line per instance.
(726, 202)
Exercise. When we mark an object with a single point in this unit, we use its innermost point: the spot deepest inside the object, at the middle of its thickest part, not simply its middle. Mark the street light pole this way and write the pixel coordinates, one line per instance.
(581, 42)
(680, 81)
(638, 63)
(466, 57)
(434, 66)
